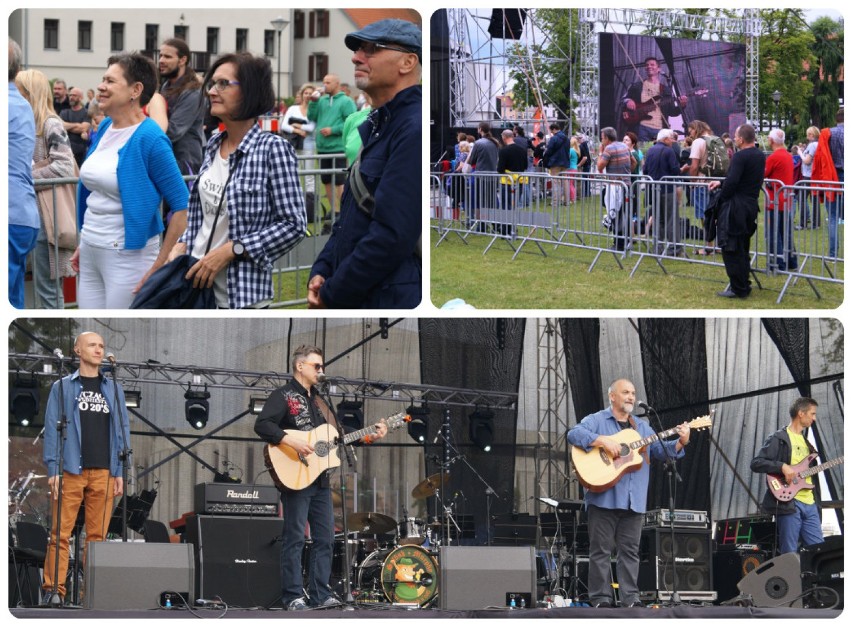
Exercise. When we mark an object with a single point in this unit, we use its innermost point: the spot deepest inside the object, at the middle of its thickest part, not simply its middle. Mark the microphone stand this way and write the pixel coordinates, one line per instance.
(347, 584)
(674, 479)
(61, 428)
(124, 454)
(489, 491)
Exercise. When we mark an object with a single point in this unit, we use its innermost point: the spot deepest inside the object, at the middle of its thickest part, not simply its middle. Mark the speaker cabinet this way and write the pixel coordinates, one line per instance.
(237, 559)
(729, 566)
(776, 583)
(689, 556)
(131, 575)
(477, 577)
(822, 566)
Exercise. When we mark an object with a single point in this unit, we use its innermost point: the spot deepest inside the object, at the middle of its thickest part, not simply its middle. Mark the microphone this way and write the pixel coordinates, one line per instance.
(111, 359)
(323, 378)
(58, 353)
(643, 405)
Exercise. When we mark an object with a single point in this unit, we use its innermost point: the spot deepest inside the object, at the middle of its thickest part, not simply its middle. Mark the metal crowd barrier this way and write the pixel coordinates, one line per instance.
(296, 263)
(656, 222)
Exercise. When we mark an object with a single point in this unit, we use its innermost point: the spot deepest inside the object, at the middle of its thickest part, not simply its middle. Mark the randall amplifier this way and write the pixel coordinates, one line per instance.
(233, 499)
(682, 518)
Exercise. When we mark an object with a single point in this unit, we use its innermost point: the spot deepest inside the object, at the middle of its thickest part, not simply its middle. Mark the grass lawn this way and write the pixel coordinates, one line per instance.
(562, 280)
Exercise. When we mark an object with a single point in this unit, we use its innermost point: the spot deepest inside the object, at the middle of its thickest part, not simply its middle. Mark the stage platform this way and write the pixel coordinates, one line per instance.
(377, 612)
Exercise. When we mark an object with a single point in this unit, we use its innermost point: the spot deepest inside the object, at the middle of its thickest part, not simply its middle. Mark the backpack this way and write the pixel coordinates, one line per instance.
(717, 157)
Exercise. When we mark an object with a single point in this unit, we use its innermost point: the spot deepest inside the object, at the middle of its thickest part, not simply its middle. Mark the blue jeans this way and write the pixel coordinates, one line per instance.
(47, 294)
(311, 505)
(22, 239)
(834, 208)
(804, 523)
(699, 199)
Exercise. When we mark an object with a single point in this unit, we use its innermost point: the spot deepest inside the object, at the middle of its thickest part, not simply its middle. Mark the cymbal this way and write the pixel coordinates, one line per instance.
(370, 522)
(429, 486)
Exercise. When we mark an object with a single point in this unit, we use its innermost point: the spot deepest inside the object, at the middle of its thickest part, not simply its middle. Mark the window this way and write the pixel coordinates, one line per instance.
(269, 43)
(317, 66)
(319, 23)
(213, 40)
(242, 39)
(51, 34)
(152, 37)
(116, 36)
(299, 25)
(181, 32)
(84, 35)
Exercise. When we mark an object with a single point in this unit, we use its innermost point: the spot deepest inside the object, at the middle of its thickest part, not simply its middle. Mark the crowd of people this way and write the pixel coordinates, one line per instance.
(172, 163)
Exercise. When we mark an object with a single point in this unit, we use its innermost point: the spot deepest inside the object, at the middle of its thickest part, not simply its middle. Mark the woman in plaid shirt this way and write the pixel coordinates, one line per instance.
(249, 179)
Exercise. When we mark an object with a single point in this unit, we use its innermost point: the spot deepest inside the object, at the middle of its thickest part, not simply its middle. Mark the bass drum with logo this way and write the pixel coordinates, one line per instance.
(406, 574)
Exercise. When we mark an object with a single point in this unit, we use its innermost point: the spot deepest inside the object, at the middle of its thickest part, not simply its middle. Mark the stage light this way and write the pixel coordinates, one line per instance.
(481, 428)
(132, 399)
(350, 414)
(24, 401)
(197, 407)
(417, 426)
(256, 404)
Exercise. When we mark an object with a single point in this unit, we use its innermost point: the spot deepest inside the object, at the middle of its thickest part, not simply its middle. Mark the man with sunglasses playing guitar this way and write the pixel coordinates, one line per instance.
(797, 518)
(297, 406)
(649, 103)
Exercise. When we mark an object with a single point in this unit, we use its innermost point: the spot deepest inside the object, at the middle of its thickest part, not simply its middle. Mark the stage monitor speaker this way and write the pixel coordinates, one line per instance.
(729, 566)
(690, 558)
(477, 577)
(237, 559)
(507, 23)
(776, 583)
(131, 575)
(822, 566)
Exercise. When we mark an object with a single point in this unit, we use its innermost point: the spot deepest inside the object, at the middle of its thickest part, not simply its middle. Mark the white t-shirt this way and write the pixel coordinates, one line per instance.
(807, 169)
(211, 186)
(698, 150)
(103, 226)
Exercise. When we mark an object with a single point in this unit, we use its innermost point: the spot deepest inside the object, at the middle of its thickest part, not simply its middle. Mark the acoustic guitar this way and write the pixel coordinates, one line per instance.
(290, 470)
(597, 471)
(644, 109)
(784, 491)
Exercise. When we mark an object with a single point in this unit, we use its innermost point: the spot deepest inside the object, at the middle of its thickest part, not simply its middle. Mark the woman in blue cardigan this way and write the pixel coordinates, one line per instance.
(129, 169)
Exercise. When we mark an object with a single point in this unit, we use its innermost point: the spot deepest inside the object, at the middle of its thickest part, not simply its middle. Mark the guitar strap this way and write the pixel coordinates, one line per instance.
(325, 410)
(644, 453)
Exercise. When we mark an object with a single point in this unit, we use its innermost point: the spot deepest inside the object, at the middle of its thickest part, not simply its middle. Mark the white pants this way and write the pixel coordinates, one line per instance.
(108, 275)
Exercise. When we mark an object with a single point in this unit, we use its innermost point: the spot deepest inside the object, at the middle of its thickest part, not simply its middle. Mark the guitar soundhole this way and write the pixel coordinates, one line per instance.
(625, 450)
(321, 448)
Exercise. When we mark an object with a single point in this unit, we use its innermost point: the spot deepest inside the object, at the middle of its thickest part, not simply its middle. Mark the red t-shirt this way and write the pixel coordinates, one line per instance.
(779, 166)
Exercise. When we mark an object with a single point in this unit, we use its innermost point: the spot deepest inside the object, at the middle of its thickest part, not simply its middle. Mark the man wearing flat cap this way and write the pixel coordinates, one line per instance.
(372, 258)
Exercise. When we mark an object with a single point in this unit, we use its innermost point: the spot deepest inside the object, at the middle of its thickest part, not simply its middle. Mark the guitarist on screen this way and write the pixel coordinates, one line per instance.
(649, 103)
(616, 514)
(298, 406)
(798, 518)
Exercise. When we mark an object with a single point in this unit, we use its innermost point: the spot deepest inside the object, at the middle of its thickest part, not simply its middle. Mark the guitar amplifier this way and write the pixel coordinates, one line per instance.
(231, 499)
(682, 518)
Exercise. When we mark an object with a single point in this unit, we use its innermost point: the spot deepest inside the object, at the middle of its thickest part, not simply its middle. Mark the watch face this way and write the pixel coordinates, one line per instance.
(239, 249)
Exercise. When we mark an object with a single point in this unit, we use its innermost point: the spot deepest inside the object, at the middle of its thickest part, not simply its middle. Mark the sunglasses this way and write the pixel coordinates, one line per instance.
(220, 85)
(370, 48)
(318, 367)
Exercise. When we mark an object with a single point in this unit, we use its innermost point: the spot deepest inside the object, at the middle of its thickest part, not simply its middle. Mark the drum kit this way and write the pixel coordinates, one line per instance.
(393, 561)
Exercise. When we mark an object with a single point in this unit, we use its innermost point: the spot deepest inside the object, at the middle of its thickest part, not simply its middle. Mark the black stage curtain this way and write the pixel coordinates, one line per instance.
(474, 354)
(791, 337)
(674, 365)
(581, 337)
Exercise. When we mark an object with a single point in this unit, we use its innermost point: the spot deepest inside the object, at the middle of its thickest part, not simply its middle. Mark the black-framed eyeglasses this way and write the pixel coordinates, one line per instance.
(370, 48)
(317, 367)
(220, 85)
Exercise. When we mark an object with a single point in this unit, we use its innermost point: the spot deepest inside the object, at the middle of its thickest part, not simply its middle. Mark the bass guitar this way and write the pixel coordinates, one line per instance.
(644, 109)
(290, 470)
(597, 471)
(784, 491)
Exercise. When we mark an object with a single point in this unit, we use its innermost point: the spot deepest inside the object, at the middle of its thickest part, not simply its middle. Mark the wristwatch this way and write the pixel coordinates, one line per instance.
(239, 249)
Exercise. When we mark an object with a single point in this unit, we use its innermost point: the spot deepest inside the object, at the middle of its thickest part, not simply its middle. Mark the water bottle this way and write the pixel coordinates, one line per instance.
(512, 602)
(523, 602)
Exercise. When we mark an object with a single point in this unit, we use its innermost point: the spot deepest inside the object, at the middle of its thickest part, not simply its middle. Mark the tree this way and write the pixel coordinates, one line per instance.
(825, 71)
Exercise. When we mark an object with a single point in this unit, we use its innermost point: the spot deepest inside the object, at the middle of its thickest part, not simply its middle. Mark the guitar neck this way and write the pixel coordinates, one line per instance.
(652, 438)
(818, 469)
(354, 436)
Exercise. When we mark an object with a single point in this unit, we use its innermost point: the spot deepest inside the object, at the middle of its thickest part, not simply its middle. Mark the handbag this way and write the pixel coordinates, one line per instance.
(59, 217)
(168, 287)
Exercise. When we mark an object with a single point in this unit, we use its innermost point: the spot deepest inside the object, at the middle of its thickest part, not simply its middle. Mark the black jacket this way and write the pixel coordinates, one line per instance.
(774, 453)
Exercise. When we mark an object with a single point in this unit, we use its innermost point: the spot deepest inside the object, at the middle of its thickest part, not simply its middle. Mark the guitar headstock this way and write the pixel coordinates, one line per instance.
(397, 420)
(702, 422)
